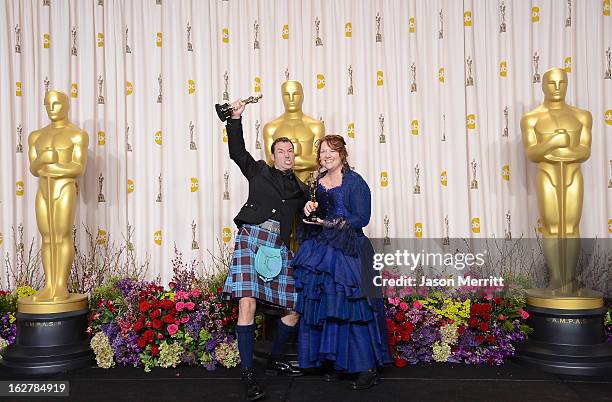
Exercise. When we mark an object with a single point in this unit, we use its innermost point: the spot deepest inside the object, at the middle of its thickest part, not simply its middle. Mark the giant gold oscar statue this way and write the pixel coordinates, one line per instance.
(51, 324)
(557, 137)
(304, 131)
(567, 320)
(58, 155)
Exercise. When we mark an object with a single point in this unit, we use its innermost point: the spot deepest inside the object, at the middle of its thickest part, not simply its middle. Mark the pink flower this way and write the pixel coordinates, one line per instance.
(181, 295)
(423, 291)
(196, 292)
(180, 306)
(394, 300)
(403, 306)
(405, 291)
(184, 319)
(417, 304)
(523, 313)
(190, 305)
(172, 329)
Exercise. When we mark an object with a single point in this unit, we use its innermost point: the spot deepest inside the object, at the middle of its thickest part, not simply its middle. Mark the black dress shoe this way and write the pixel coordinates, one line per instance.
(332, 376)
(253, 391)
(279, 366)
(365, 380)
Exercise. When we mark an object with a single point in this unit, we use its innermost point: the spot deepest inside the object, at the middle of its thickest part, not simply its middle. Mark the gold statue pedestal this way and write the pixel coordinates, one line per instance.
(569, 333)
(579, 300)
(74, 302)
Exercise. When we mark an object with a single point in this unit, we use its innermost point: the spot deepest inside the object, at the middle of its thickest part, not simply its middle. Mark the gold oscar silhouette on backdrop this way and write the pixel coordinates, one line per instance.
(304, 131)
(557, 137)
(58, 155)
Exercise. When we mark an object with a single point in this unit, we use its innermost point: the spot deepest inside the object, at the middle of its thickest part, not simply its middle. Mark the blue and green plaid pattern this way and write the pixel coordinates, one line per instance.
(242, 279)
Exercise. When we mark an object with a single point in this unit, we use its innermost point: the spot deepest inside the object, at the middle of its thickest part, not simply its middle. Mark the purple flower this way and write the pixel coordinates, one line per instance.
(126, 350)
(111, 330)
(8, 331)
(189, 358)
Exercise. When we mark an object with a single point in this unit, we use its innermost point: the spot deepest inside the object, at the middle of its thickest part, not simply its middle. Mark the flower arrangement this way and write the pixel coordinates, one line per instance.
(455, 329)
(149, 326)
(138, 323)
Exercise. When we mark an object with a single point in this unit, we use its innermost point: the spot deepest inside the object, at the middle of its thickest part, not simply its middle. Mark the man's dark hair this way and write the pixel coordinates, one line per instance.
(280, 139)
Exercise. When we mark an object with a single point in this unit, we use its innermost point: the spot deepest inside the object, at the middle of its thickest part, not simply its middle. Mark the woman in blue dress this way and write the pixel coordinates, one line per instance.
(342, 320)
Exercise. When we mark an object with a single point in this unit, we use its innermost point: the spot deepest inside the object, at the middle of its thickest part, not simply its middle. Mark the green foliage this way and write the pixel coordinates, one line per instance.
(8, 303)
(108, 291)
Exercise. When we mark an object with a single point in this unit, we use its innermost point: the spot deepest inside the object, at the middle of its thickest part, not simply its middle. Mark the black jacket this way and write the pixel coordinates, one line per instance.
(267, 195)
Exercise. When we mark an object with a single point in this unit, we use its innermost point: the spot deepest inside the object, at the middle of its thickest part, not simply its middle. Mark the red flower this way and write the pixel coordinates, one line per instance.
(408, 327)
(157, 324)
(483, 326)
(473, 322)
(524, 314)
(498, 300)
(172, 285)
(149, 335)
(144, 306)
(138, 326)
(399, 362)
(156, 313)
(392, 340)
(154, 350)
(167, 304)
(219, 290)
(491, 339)
(390, 325)
(169, 318)
(501, 317)
(460, 329)
(160, 336)
(400, 317)
(479, 339)
(141, 342)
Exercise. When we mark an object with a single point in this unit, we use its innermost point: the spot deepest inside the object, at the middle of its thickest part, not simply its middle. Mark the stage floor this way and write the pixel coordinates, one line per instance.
(433, 382)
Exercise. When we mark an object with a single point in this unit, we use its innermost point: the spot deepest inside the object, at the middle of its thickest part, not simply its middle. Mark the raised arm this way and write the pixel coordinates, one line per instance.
(237, 149)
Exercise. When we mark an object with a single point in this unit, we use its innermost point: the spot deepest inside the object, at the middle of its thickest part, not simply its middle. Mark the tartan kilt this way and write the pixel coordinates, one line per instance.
(242, 279)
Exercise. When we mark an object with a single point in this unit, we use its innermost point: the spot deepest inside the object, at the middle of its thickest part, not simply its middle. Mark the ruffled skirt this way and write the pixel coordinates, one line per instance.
(338, 322)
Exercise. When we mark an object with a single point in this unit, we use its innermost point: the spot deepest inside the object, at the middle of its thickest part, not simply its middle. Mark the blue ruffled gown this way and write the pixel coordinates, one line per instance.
(338, 322)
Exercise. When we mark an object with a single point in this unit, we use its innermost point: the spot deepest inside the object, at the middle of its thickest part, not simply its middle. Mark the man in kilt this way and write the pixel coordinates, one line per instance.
(260, 268)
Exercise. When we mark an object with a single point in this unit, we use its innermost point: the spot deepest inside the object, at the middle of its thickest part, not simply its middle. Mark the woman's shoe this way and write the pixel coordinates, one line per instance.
(332, 376)
(365, 379)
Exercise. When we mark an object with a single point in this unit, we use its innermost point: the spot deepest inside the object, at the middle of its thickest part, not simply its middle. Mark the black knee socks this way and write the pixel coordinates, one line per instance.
(282, 334)
(245, 334)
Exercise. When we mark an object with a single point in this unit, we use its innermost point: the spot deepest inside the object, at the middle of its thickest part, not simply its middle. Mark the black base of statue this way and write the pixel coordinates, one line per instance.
(263, 346)
(49, 344)
(567, 342)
